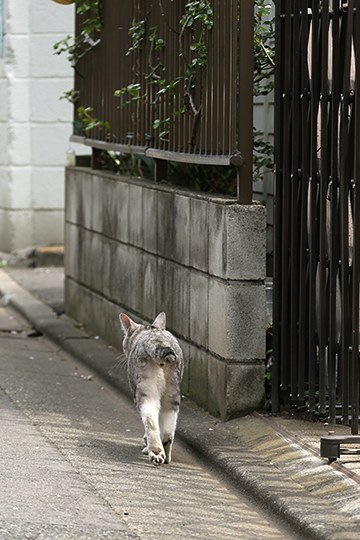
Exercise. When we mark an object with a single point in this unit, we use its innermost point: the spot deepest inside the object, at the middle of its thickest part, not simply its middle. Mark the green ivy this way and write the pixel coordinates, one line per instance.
(264, 48)
(89, 121)
(89, 35)
(197, 13)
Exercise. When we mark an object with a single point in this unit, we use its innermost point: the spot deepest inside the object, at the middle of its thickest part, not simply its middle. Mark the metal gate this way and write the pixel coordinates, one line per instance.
(317, 207)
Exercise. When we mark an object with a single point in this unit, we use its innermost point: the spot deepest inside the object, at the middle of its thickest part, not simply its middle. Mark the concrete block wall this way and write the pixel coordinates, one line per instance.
(143, 248)
(35, 124)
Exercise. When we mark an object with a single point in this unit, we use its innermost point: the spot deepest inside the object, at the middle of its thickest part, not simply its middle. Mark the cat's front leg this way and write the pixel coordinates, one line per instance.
(150, 416)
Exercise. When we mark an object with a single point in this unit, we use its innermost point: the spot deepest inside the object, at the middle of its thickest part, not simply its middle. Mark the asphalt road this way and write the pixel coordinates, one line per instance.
(71, 464)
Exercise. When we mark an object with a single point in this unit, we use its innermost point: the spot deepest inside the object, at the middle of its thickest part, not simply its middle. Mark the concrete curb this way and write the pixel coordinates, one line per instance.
(232, 449)
(33, 257)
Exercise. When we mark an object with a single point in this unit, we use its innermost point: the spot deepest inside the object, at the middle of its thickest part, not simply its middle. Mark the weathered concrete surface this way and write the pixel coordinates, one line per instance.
(263, 457)
(71, 463)
(142, 248)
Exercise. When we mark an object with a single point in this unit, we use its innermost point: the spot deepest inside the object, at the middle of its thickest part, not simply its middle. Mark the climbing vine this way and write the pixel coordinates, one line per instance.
(89, 35)
(196, 22)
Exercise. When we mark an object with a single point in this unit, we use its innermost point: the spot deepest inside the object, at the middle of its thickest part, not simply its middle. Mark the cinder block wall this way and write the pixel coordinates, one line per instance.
(143, 248)
(35, 125)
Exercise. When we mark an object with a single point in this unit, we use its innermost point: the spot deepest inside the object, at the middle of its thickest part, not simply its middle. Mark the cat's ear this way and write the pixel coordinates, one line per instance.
(160, 321)
(127, 323)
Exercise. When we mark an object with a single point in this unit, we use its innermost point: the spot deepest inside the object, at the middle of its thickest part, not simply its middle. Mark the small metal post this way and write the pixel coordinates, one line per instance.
(160, 170)
(244, 187)
(245, 114)
(96, 159)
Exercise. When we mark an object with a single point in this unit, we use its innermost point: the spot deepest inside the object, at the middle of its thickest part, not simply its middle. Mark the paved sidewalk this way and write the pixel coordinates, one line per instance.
(274, 459)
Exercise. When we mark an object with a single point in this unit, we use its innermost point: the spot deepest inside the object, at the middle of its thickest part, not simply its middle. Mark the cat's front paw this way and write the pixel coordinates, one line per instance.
(157, 457)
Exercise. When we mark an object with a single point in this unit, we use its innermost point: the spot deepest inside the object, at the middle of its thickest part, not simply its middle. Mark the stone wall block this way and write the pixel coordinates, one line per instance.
(185, 347)
(237, 248)
(84, 257)
(4, 104)
(79, 198)
(217, 387)
(115, 210)
(19, 137)
(86, 197)
(149, 224)
(129, 280)
(149, 305)
(164, 290)
(217, 240)
(135, 230)
(99, 315)
(246, 242)
(180, 295)
(5, 136)
(199, 234)
(109, 212)
(135, 279)
(71, 196)
(41, 197)
(198, 376)
(165, 224)
(18, 46)
(181, 240)
(121, 196)
(20, 188)
(18, 100)
(71, 259)
(96, 262)
(237, 320)
(47, 226)
(199, 308)
(120, 283)
(245, 388)
(18, 17)
(97, 203)
(45, 105)
(49, 142)
(107, 254)
(42, 62)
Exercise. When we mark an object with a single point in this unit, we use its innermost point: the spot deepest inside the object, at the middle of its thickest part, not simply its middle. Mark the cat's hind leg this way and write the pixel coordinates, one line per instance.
(145, 450)
(168, 419)
(149, 411)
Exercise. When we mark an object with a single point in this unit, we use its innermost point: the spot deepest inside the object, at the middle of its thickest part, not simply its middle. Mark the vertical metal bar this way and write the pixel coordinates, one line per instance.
(277, 208)
(245, 108)
(232, 81)
(305, 168)
(294, 216)
(333, 234)
(285, 231)
(345, 174)
(324, 180)
(313, 193)
(286, 217)
(356, 250)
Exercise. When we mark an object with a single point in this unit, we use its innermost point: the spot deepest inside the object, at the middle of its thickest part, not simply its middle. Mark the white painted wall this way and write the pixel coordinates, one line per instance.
(34, 124)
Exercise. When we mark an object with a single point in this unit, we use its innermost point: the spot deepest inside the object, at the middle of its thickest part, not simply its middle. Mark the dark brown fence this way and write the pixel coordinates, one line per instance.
(204, 118)
(317, 253)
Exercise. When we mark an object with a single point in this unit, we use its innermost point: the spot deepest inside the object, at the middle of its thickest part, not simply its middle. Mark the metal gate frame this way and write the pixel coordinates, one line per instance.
(317, 210)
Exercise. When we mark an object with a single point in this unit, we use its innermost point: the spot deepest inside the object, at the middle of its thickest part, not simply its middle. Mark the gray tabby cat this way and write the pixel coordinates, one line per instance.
(155, 369)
